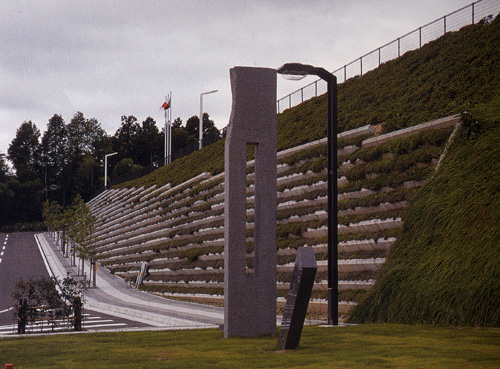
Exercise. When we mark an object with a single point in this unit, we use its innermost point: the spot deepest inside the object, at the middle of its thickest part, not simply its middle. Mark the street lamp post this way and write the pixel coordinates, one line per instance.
(296, 69)
(106, 169)
(201, 117)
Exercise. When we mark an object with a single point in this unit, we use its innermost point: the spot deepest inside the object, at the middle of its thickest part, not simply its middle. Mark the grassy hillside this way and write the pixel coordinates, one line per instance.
(447, 76)
(445, 265)
(445, 268)
(444, 77)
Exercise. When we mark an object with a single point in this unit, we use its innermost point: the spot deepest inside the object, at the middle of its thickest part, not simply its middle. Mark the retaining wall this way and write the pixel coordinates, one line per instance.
(179, 230)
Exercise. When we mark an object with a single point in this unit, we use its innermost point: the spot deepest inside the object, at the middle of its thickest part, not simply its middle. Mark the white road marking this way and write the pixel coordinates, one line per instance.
(37, 328)
(1, 253)
(89, 322)
(86, 326)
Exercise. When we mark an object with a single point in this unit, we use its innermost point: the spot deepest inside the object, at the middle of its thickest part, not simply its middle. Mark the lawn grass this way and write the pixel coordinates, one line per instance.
(363, 346)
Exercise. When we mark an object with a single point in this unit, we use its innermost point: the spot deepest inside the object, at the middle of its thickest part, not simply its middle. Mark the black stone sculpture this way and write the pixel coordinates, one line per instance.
(297, 299)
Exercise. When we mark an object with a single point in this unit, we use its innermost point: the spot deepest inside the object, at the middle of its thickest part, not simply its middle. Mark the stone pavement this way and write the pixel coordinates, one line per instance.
(113, 297)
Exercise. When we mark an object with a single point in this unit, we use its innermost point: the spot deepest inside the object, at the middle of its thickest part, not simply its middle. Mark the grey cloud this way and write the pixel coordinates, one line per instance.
(114, 57)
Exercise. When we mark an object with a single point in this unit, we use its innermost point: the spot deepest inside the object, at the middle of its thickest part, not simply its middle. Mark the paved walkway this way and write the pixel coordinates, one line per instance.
(113, 297)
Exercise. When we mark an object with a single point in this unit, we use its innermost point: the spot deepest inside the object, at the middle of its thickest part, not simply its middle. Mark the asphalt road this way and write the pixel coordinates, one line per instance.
(20, 257)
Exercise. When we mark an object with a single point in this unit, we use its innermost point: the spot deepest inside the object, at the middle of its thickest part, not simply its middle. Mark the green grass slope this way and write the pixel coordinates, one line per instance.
(445, 268)
(447, 76)
(444, 77)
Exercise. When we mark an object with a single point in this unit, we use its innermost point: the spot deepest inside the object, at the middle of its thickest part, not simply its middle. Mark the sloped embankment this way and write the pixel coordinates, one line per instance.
(179, 230)
(445, 268)
(173, 218)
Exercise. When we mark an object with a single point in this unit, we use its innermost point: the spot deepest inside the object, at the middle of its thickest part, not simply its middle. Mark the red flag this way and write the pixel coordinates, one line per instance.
(165, 105)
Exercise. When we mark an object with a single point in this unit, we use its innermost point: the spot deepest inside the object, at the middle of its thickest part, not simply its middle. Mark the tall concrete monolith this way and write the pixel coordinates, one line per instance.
(250, 298)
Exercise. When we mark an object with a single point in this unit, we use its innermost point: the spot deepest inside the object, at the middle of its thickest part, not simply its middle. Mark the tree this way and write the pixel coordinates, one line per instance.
(66, 161)
(125, 166)
(125, 137)
(181, 136)
(24, 201)
(6, 193)
(26, 186)
(148, 144)
(55, 152)
(85, 175)
(24, 151)
(84, 134)
(86, 140)
(53, 217)
(210, 131)
(46, 298)
(4, 168)
(81, 227)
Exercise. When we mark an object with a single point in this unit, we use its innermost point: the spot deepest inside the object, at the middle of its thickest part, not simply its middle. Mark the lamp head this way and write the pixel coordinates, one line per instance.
(209, 92)
(295, 69)
(298, 71)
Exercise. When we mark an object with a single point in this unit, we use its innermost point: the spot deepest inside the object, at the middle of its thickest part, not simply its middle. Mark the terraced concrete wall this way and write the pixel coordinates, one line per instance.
(179, 230)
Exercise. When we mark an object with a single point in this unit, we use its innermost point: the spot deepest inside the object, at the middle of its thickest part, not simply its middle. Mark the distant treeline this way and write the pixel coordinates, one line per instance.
(68, 160)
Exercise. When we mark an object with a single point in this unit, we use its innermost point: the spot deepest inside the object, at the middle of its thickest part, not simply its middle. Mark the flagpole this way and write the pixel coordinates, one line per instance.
(167, 107)
(170, 129)
(165, 111)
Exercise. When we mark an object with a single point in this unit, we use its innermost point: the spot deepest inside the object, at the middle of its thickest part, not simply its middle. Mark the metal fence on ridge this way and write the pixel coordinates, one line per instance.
(470, 14)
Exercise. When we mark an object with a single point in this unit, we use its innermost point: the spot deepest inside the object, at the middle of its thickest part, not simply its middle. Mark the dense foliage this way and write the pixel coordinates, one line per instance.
(67, 160)
(445, 269)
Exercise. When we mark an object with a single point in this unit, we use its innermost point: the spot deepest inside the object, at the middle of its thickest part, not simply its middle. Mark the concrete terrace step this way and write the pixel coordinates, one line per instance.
(139, 225)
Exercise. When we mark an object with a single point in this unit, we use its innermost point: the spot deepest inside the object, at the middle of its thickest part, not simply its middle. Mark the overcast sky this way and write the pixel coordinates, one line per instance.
(110, 58)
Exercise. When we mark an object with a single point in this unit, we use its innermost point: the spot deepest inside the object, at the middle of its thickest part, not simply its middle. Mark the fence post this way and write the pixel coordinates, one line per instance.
(399, 47)
(361, 65)
(379, 56)
(77, 309)
(472, 13)
(420, 37)
(94, 273)
(22, 316)
(444, 19)
(345, 72)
